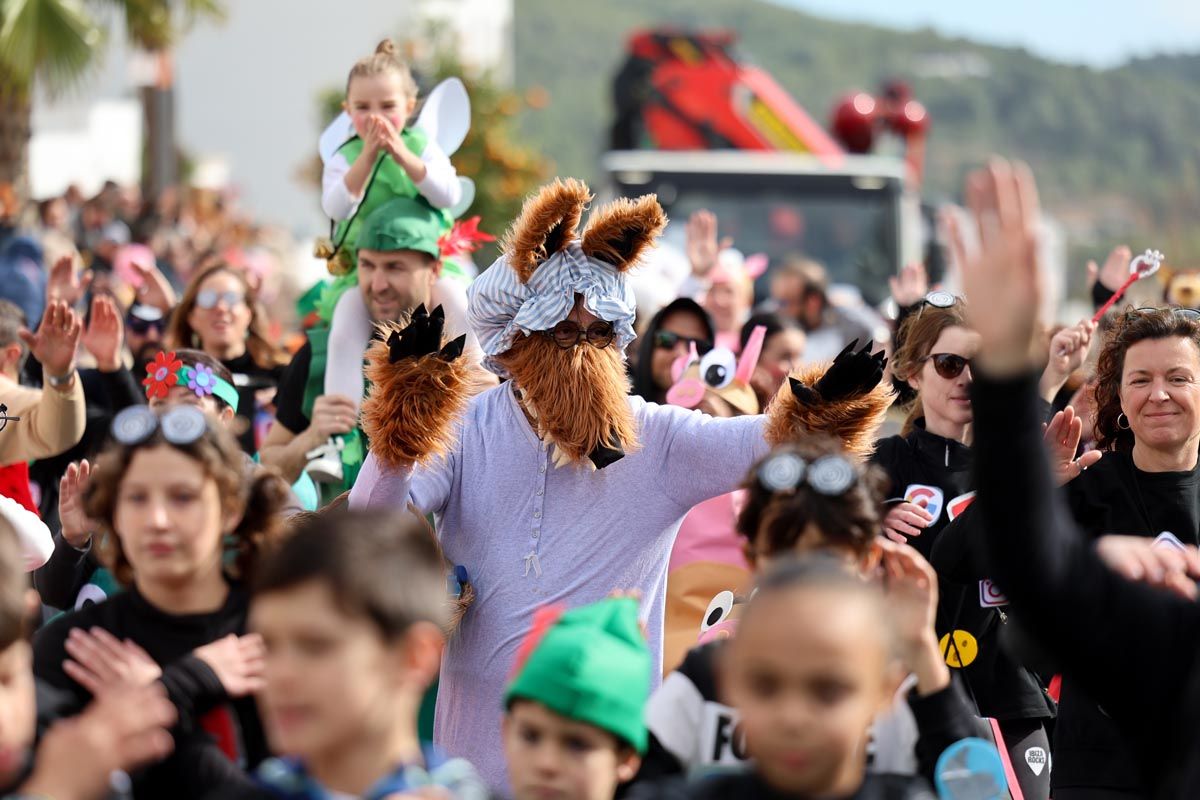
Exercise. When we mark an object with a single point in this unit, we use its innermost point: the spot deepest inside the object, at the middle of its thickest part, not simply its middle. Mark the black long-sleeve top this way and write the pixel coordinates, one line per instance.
(1000, 687)
(1112, 497)
(169, 639)
(1130, 647)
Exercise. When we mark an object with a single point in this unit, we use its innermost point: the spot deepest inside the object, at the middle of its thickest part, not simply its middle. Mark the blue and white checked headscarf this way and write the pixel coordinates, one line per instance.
(500, 307)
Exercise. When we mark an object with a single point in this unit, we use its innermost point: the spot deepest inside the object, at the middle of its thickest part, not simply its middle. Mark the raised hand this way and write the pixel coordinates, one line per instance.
(911, 588)
(910, 286)
(1068, 348)
(64, 284)
(155, 290)
(702, 247)
(238, 662)
(1062, 438)
(101, 663)
(77, 527)
(423, 336)
(1115, 269)
(852, 374)
(56, 340)
(105, 334)
(1001, 278)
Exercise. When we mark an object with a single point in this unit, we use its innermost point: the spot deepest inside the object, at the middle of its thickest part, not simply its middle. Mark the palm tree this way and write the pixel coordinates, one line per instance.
(56, 42)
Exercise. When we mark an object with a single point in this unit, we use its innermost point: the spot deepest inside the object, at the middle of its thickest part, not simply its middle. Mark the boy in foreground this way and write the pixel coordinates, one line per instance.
(573, 728)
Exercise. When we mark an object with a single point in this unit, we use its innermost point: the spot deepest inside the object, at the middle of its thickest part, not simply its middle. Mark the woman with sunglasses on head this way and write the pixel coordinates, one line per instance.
(668, 337)
(220, 314)
(929, 468)
(169, 494)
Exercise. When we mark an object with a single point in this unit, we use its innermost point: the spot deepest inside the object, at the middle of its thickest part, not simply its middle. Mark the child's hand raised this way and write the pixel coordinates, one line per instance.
(912, 594)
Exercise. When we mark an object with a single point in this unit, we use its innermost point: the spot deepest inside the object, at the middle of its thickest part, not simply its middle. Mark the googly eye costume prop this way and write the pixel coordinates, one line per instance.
(557, 480)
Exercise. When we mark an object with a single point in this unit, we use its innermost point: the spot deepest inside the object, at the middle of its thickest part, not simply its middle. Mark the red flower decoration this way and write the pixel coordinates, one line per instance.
(161, 374)
(464, 237)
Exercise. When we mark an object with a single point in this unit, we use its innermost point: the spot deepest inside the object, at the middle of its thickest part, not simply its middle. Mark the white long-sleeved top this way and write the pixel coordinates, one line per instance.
(37, 543)
(440, 186)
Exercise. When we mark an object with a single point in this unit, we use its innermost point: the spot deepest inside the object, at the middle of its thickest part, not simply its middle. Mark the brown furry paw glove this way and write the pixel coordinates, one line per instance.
(419, 389)
(847, 400)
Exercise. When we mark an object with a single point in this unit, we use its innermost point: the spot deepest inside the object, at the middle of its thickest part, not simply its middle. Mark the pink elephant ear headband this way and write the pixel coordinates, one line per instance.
(166, 371)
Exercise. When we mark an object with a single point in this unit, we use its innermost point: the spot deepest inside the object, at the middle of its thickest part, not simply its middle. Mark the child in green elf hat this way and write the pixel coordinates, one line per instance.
(573, 728)
(373, 156)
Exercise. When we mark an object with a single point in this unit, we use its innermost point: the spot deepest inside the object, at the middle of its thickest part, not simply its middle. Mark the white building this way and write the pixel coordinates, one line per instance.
(246, 95)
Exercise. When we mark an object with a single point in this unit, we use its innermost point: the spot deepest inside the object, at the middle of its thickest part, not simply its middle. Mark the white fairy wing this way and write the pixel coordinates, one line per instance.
(337, 134)
(468, 197)
(446, 115)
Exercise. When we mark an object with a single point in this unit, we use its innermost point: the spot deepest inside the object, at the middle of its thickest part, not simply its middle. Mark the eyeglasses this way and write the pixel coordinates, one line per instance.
(569, 333)
(180, 425)
(938, 299)
(209, 298)
(665, 340)
(831, 475)
(1190, 314)
(949, 365)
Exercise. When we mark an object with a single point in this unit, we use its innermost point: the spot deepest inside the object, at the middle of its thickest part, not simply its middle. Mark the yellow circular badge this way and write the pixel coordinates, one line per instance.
(961, 652)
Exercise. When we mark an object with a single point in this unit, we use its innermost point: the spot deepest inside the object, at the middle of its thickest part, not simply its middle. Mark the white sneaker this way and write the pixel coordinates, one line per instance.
(325, 462)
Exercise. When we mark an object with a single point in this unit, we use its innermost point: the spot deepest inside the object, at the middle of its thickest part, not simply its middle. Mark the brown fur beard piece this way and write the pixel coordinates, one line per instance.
(578, 397)
(854, 421)
(410, 413)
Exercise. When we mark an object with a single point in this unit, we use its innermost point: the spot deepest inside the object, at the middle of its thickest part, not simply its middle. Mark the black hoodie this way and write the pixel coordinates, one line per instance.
(643, 378)
(1000, 687)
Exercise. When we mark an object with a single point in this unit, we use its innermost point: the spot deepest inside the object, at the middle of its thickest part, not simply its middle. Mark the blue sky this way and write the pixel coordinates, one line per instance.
(1097, 32)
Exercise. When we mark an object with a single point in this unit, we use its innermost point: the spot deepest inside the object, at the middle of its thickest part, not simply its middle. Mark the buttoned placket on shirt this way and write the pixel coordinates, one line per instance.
(535, 531)
(532, 560)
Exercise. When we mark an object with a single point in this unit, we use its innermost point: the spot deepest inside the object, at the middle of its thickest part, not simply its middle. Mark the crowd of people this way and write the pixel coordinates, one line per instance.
(438, 534)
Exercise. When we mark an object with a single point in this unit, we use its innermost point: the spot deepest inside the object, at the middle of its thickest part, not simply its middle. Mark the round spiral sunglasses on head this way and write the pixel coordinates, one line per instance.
(831, 475)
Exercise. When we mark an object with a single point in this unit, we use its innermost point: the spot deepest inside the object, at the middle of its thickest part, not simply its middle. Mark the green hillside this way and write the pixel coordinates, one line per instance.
(1117, 152)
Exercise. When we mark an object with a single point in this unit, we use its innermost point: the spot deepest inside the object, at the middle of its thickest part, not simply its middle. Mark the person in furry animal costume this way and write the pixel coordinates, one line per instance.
(557, 486)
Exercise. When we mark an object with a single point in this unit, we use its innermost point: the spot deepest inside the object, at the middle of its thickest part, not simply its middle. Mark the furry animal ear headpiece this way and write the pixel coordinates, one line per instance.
(532, 286)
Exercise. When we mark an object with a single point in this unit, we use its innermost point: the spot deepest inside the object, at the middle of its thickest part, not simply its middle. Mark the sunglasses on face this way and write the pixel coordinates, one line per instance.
(209, 298)
(568, 334)
(665, 340)
(142, 326)
(949, 365)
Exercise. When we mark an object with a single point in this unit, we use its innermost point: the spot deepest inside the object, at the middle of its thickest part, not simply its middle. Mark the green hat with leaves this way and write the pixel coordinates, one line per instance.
(403, 223)
(589, 664)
